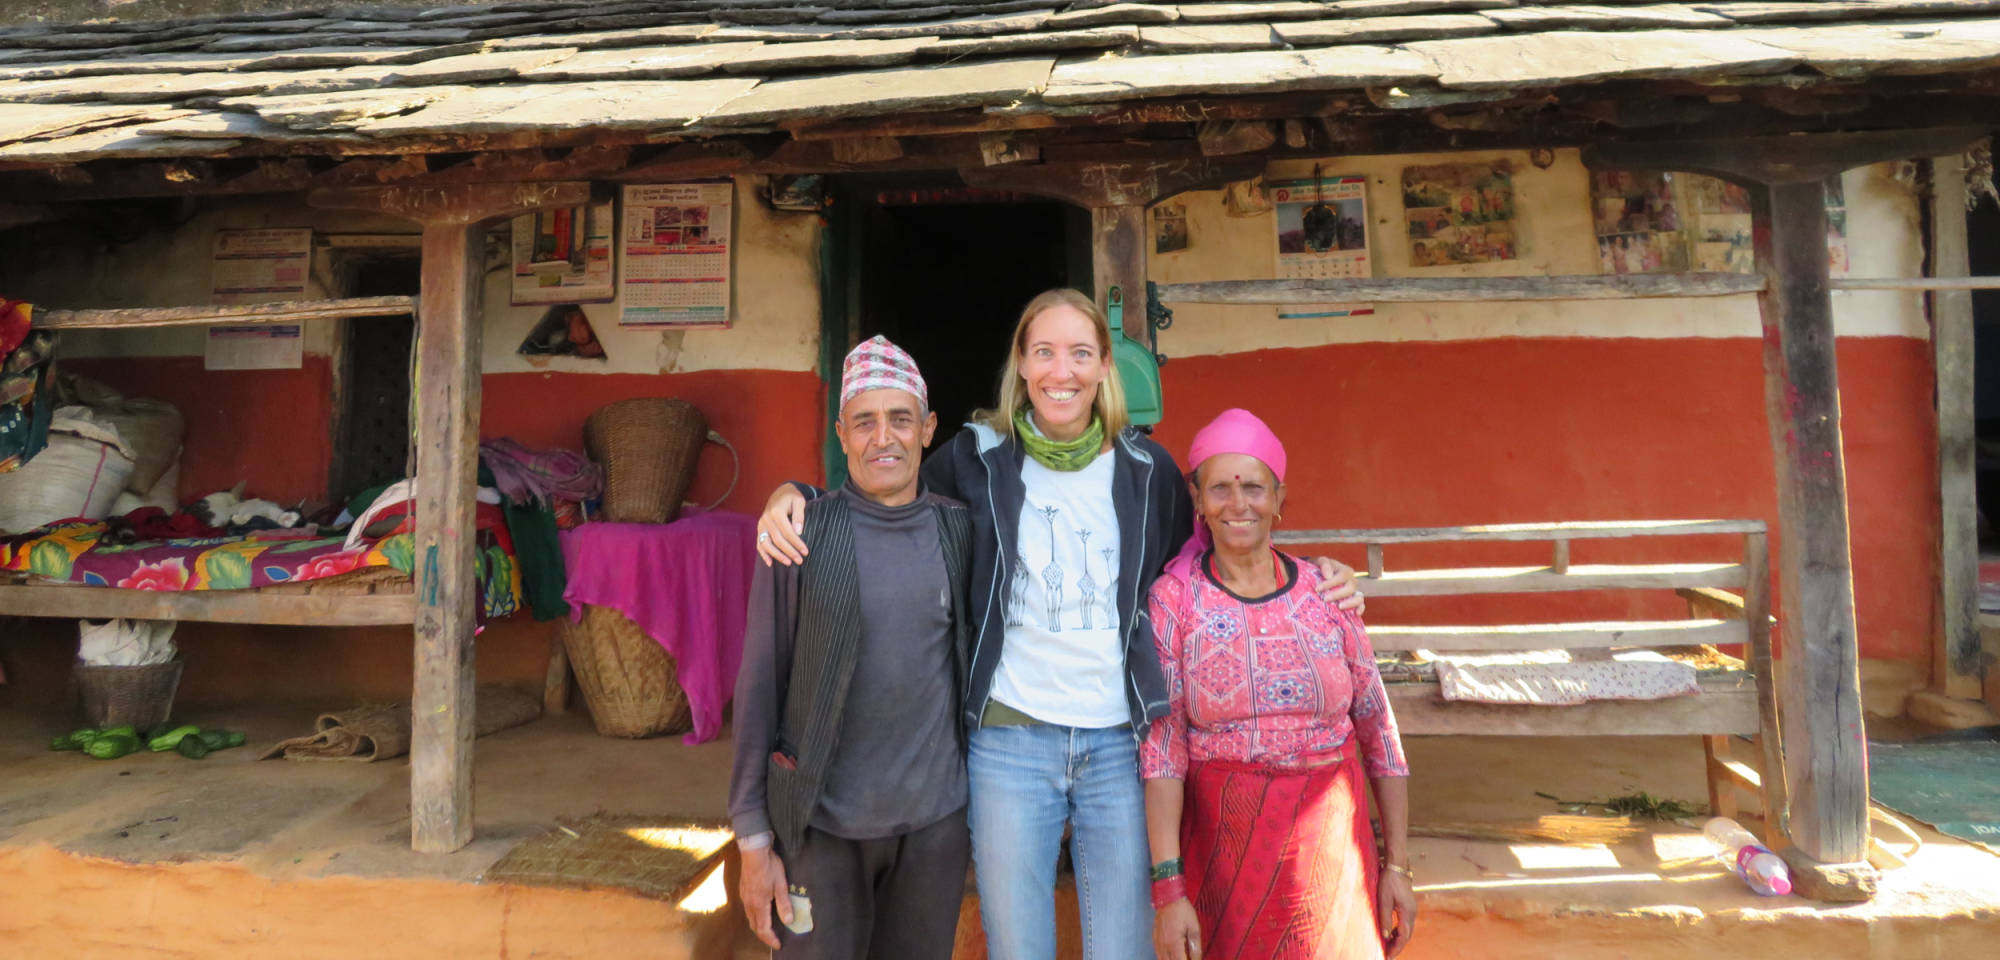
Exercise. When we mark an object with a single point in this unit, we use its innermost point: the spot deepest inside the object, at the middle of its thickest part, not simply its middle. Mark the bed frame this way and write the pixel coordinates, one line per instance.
(372, 597)
(1732, 704)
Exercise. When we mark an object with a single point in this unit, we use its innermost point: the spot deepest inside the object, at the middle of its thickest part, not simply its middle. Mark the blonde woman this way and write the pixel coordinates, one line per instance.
(1074, 513)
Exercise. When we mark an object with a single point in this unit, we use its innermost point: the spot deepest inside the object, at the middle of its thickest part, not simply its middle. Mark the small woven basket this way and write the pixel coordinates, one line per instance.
(137, 696)
(648, 448)
(631, 685)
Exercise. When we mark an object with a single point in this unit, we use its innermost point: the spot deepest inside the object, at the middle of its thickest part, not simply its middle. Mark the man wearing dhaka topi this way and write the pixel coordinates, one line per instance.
(849, 789)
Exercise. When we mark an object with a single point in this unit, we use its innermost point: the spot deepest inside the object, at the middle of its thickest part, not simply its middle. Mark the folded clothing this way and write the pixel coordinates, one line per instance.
(1634, 675)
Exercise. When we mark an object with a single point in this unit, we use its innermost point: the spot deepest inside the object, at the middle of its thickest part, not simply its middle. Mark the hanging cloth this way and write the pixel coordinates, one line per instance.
(26, 403)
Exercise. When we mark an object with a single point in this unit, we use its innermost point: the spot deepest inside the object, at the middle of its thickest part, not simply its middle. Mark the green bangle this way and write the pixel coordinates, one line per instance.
(1166, 868)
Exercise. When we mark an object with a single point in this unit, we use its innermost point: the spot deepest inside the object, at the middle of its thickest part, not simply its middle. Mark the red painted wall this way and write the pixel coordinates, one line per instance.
(270, 429)
(1498, 431)
(771, 417)
(1380, 435)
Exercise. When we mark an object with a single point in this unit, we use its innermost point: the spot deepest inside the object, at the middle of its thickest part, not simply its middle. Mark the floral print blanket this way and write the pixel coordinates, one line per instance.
(73, 554)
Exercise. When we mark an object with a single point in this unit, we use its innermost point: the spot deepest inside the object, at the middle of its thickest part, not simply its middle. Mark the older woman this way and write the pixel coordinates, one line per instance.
(1074, 513)
(1254, 807)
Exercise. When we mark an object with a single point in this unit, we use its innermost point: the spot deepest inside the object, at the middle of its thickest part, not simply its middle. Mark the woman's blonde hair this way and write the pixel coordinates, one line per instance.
(1013, 395)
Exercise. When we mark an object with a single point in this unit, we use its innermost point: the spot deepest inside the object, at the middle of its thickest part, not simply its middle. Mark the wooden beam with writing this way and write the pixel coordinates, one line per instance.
(1133, 183)
(291, 311)
(1462, 289)
(1779, 159)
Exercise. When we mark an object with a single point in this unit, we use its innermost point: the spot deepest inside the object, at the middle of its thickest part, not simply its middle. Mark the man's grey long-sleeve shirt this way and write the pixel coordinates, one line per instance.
(898, 765)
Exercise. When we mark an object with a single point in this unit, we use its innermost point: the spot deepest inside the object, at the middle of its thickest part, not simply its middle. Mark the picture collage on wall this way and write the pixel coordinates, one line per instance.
(1671, 222)
(1459, 213)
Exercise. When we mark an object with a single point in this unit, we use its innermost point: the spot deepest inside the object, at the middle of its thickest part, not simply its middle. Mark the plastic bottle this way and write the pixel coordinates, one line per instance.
(1761, 870)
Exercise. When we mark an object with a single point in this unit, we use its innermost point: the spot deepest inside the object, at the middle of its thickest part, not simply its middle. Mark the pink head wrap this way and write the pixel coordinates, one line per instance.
(878, 364)
(1232, 431)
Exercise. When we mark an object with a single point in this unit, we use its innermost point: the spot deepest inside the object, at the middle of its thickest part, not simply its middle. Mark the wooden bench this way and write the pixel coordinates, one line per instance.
(1732, 704)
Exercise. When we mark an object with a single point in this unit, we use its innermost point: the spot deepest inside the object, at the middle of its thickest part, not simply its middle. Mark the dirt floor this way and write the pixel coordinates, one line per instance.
(229, 857)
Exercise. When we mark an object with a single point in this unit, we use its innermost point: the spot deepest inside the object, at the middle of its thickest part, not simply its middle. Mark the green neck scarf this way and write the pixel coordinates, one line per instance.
(1065, 455)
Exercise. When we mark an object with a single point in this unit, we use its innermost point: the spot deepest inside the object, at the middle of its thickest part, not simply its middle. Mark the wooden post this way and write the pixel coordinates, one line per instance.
(447, 431)
(1955, 661)
(1826, 753)
(1770, 735)
(1118, 258)
(449, 320)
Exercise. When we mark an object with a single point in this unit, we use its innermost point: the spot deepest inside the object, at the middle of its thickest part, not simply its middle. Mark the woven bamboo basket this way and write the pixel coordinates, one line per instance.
(630, 684)
(137, 696)
(648, 448)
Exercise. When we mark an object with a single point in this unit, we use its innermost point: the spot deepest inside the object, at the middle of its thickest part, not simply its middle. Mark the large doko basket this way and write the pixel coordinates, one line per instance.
(648, 448)
(128, 696)
(630, 684)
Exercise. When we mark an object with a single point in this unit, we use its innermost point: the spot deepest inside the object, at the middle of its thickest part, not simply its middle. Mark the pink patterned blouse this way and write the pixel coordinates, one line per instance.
(1280, 681)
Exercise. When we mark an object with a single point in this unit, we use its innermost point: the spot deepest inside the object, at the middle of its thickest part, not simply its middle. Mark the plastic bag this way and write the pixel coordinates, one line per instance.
(125, 643)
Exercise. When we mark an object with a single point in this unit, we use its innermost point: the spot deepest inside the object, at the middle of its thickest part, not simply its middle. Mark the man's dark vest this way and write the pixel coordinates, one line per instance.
(827, 644)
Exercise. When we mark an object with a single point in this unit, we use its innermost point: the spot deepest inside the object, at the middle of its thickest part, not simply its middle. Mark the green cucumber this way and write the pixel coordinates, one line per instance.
(214, 739)
(237, 738)
(126, 731)
(172, 738)
(111, 746)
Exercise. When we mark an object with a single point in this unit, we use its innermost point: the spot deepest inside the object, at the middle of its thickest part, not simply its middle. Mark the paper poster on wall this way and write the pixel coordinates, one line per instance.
(1638, 222)
(1322, 234)
(1836, 226)
(260, 266)
(1718, 225)
(674, 255)
(1170, 228)
(1459, 213)
(563, 255)
(268, 346)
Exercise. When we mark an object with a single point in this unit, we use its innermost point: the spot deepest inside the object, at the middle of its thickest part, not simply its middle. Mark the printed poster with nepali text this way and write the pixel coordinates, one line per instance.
(1322, 234)
(1459, 213)
(258, 266)
(673, 255)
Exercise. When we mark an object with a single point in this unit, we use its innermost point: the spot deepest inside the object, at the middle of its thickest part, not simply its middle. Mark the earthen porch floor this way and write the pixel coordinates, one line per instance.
(227, 857)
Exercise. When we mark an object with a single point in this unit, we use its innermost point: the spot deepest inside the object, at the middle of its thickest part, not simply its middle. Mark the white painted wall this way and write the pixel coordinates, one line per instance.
(1554, 236)
(166, 269)
(776, 288)
(776, 273)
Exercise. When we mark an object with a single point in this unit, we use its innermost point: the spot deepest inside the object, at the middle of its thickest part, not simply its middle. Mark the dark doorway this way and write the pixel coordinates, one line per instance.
(372, 435)
(945, 277)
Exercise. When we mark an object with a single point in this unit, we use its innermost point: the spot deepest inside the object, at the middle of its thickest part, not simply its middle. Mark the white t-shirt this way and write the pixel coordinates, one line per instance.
(1064, 661)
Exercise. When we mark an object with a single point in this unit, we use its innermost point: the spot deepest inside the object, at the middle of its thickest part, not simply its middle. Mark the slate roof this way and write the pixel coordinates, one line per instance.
(273, 82)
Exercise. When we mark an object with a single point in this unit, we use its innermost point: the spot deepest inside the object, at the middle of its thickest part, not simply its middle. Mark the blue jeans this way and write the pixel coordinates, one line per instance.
(1027, 781)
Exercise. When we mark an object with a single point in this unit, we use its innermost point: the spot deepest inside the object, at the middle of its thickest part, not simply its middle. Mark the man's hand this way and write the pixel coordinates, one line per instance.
(780, 526)
(1177, 932)
(762, 887)
(1396, 911)
(1337, 585)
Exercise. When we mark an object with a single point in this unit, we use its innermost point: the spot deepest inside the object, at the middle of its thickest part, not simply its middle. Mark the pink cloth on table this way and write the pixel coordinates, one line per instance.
(686, 583)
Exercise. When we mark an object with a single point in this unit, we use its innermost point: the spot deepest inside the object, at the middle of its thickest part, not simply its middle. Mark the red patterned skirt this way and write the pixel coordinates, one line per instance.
(1281, 864)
